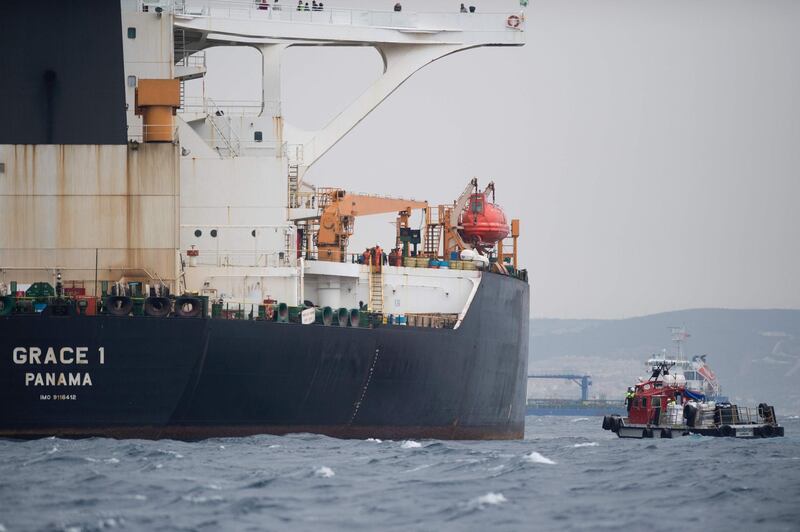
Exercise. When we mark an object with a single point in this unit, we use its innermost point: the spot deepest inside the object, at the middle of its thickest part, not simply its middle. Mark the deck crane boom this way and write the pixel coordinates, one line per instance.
(337, 218)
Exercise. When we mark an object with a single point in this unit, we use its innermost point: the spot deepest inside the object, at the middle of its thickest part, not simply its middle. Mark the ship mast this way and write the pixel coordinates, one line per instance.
(679, 336)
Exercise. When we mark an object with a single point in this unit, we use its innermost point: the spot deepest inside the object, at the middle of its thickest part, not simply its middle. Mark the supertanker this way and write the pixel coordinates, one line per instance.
(167, 272)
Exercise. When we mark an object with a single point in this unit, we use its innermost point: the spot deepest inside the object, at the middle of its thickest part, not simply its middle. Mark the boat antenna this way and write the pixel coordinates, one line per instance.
(679, 336)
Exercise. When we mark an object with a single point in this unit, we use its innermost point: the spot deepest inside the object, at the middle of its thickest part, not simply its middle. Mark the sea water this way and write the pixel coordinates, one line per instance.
(567, 474)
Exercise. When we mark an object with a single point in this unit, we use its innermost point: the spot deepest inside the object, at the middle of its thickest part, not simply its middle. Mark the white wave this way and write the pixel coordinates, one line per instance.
(201, 499)
(112, 461)
(139, 497)
(221, 446)
(88, 459)
(324, 472)
(374, 440)
(173, 453)
(53, 450)
(423, 466)
(159, 466)
(580, 419)
(2, 528)
(490, 498)
(109, 523)
(537, 458)
(411, 444)
(589, 444)
(214, 487)
(273, 446)
(73, 529)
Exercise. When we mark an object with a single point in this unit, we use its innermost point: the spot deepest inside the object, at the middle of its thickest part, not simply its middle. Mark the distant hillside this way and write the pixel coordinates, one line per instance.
(755, 353)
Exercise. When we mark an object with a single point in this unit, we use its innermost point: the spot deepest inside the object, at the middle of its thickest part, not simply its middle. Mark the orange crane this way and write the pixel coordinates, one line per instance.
(337, 219)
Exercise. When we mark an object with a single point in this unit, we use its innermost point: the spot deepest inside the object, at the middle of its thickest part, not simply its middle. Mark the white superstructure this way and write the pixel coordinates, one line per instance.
(214, 211)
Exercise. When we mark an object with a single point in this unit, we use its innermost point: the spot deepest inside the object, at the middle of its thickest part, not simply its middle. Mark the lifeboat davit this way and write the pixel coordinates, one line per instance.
(483, 222)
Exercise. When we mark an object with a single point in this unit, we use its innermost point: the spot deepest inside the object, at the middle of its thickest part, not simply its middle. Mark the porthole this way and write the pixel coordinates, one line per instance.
(213, 233)
(198, 233)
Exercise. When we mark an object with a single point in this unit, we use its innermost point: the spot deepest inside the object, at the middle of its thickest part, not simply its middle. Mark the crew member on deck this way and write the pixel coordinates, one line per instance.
(398, 7)
(629, 395)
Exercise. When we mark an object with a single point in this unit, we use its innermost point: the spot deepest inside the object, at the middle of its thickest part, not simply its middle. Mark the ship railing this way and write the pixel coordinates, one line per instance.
(736, 415)
(350, 258)
(257, 148)
(190, 58)
(247, 258)
(732, 415)
(138, 132)
(480, 21)
(294, 153)
(208, 106)
(229, 245)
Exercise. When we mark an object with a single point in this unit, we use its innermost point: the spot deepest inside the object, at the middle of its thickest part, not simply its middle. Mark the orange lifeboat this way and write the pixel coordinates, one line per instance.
(483, 222)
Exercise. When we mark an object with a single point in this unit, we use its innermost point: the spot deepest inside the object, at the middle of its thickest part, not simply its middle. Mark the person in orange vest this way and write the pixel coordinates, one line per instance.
(377, 258)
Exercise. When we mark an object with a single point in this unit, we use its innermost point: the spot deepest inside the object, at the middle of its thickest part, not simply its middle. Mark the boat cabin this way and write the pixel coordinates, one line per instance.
(651, 399)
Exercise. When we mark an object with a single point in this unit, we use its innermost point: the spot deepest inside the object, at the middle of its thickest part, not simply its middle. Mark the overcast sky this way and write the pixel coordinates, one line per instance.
(651, 148)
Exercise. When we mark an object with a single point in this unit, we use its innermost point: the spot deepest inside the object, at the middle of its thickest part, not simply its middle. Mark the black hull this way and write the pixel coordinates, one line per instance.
(200, 378)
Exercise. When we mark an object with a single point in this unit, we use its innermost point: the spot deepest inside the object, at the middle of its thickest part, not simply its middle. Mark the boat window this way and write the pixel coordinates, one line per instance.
(258, 136)
(477, 204)
(656, 402)
(198, 233)
(213, 233)
(644, 402)
(131, 33)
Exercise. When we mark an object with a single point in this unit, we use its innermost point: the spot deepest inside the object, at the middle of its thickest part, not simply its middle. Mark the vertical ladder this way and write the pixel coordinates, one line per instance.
(434, 229)
(375, 289)
(294, 184)
(433, 234)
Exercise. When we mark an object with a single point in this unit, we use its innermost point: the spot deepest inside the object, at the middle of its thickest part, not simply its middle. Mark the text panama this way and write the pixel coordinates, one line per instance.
(57, 356)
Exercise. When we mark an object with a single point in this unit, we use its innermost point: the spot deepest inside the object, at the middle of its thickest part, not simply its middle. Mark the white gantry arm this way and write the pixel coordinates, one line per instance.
(400, 62)
(406, 42)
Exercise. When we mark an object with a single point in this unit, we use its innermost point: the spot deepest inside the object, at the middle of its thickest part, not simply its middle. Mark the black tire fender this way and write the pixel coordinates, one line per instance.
(157, 307)
(118, 305)
(188, 307)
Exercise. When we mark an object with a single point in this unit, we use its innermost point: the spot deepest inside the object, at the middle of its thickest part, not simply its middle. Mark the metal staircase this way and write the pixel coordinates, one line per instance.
(433, 234)
(294, 156)
(231, 141)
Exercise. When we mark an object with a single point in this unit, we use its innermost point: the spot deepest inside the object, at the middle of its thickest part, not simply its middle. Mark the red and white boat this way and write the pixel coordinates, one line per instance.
(663, 407)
